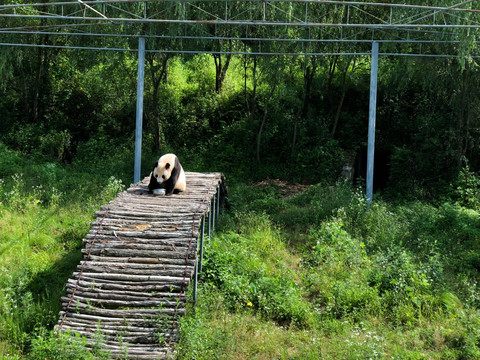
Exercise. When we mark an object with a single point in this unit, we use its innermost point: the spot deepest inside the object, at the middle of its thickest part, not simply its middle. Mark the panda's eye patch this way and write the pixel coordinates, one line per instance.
(163, 177)
(156, 175)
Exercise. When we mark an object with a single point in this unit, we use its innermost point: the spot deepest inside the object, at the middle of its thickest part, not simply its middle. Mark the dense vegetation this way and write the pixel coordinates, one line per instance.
(305, 276)
(308, 275)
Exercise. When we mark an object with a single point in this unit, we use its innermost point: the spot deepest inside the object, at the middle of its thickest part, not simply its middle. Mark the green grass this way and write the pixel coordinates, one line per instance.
(317, 276)
(42, 224)
(311, 276)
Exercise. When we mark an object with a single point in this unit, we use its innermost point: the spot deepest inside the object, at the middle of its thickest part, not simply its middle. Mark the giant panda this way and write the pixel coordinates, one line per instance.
(168, 173)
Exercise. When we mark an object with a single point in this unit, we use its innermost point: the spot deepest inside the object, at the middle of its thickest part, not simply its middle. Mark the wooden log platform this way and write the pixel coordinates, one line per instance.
(128, 292)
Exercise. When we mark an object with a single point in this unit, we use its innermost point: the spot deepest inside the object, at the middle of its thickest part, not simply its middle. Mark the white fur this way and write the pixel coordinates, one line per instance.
(162, 174)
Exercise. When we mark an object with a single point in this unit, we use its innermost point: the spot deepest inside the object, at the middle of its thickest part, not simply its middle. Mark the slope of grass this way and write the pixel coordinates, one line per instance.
(316, 276)
(309, 276)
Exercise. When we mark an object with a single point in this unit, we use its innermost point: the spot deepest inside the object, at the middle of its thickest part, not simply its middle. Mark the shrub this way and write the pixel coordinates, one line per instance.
(250, 267)
(62, 346)
(337, 277)
(404, 285)
(467, 191)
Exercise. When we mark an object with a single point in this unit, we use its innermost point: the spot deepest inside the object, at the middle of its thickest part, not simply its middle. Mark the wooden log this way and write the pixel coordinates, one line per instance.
(136, 278)
(153, 224)
(116, 321)
(102, 239)
(121, 245)
(130, 208)
(139, 314)
(127, 272)
(124, 296)
(142, 216)
(138, 295)
(143, 287)
(143, 260)
(117, 333)
(162, 228)
(141, 253)
(134, 339)
(133, 351)
(139, 269)
(147, 246)
(143, 234)
(128, 303)
(130, 265)
(118, 330)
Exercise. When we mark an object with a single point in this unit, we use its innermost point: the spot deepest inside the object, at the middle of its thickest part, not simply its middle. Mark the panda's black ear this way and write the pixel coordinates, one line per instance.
(156, 165)
(167, 166)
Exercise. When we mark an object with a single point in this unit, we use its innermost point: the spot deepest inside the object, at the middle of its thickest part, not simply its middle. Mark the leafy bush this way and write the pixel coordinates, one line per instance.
(56, 144)
(39, 247)
(337, 277)
(405, 287)
(325, 201)
(249, 267)
(62, 346)
(467, 189)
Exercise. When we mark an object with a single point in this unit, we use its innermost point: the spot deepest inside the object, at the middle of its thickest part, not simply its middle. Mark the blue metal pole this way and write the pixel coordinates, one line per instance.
(202, 237)
(218, 201)
(213, 207)
(139, 113)
(371, 121)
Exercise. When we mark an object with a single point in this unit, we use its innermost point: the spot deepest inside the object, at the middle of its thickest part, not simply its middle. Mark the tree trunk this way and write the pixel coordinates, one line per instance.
(260, 131)
(221, 69)
(331, 71)
(254, 92)
(308, 76)
(264, 119)
(157, 74)
(42, 62)
(463, 117)
(342, 96)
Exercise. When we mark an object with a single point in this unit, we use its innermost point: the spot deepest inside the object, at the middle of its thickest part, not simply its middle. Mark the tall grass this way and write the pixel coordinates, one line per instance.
(396, 281)
(41, 228)
(313, 276)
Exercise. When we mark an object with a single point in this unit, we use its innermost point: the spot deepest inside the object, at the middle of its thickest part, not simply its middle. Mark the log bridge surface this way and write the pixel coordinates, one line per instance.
(128, 292)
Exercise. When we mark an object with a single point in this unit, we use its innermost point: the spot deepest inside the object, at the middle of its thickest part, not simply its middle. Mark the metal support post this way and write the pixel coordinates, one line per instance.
(371, 121)
(195, 282)
(210, 221)
(213, 214)
(218, 202)
(139, 113)
(202, 237)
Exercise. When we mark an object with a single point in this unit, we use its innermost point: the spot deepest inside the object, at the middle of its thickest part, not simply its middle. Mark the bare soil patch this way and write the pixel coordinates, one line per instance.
(287, 189)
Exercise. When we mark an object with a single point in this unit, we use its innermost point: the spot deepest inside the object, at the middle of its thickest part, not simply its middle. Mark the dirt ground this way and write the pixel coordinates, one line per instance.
(286, 188)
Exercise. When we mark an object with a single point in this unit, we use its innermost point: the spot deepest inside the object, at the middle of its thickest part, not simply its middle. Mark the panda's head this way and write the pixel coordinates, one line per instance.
(164, 167)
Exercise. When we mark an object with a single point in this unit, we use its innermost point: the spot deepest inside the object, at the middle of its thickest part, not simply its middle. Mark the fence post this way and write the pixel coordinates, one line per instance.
(371, 122)
(139, 112)
(202, 237)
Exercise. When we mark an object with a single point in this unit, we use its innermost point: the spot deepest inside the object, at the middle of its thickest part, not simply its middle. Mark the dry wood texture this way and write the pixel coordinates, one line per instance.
(138, 260)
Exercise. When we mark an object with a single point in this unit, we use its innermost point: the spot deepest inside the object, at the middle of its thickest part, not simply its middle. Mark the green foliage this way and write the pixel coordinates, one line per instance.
(394, 281)
(304, 277)
(40, 243)
(62, 346)
(468, 189)
(337, 274)
(250, 268)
